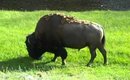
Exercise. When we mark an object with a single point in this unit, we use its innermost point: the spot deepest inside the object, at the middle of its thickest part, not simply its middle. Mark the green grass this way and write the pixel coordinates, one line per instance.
(16, 65)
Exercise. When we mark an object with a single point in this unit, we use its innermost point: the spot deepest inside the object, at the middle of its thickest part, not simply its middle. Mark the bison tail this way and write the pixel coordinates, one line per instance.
(103, 40)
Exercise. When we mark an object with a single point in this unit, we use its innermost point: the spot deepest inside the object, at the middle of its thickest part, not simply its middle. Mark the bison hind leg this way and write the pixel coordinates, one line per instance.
(93, 55)
(103, 51)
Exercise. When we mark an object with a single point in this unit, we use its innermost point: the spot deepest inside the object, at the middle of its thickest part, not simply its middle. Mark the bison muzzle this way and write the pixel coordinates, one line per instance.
(54, 32)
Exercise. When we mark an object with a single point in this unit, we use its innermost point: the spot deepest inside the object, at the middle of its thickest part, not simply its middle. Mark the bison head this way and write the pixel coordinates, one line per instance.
(31, 44)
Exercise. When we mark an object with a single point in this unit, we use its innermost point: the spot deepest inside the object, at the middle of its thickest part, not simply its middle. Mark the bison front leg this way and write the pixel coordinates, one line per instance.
(63, 54)
(54, 59)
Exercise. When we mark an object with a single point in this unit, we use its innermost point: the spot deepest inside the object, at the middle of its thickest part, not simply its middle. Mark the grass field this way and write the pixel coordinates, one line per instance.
(16, 65)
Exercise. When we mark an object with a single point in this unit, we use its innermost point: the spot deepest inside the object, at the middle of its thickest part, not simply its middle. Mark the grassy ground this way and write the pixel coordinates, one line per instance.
(16, 65)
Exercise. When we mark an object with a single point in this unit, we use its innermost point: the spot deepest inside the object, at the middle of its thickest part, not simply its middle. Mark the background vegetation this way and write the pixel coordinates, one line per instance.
(68, 5)
(16, 65)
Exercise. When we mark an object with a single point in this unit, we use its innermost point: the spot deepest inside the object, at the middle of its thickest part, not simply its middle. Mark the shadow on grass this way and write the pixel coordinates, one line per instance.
(26, 64)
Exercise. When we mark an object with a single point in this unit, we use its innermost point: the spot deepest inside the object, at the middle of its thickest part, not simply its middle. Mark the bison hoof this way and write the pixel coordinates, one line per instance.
(39, 58)
(89, 65)
(36, 58)
(105, 64)
(53, 60)
(63, 62)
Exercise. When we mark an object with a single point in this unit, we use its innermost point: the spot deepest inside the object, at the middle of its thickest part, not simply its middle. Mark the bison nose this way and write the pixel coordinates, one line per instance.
(36, 58)
(39, 58)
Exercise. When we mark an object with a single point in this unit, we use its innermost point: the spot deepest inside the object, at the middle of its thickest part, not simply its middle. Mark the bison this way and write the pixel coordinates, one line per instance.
(54, 32)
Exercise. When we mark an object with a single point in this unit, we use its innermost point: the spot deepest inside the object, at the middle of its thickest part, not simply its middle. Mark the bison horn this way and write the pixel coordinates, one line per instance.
(29, 41)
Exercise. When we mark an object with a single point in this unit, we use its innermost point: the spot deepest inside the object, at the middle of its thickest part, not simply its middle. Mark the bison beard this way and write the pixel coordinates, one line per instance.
(54, 32)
